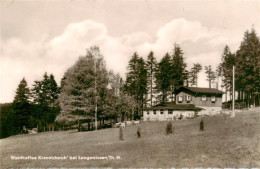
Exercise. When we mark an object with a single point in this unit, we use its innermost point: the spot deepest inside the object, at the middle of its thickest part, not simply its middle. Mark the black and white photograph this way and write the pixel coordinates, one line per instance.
(129, 84)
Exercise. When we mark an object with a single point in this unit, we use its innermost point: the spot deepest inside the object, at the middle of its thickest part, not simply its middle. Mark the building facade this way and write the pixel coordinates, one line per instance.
(189, 102)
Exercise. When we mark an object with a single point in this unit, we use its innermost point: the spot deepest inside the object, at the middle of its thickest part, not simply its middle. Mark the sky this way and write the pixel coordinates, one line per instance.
(49, 35)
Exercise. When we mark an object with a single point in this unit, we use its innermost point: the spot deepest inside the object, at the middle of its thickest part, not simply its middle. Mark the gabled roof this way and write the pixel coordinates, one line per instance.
(200, 90)
(173, 106)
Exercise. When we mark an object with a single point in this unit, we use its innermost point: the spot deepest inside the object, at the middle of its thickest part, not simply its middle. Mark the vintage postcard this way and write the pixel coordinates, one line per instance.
(130, 84)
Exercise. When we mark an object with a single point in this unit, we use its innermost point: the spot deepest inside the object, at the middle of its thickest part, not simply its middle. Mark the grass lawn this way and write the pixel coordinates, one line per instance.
(226, 142)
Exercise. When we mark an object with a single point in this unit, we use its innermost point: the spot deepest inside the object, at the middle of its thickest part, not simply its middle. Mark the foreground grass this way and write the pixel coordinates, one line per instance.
(226, 142)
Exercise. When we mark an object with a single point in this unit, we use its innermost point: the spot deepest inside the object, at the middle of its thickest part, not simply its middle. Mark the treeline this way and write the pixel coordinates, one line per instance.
(247, 70)
(36, 107)
(150, 82)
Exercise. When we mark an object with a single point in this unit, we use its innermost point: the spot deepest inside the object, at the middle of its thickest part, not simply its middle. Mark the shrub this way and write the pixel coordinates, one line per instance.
(181, 116)
(201, 125)
(138, 132)
(169, 128)
(121, 134)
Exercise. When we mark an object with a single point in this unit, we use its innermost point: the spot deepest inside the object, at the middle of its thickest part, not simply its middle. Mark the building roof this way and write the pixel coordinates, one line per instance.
(200, 90)
(173, 106)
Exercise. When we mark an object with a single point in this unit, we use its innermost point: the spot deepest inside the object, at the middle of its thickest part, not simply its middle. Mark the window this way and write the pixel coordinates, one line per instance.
(203, 98)
(148, 112)
(169, 111)
(154, 112)
(213, 99)
(188, 99)
(180, 99)
(161, 111)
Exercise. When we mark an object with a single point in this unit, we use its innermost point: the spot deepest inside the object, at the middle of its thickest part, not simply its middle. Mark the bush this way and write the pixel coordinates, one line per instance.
(201, 125)
(138, 132)
(181, 116)
(169, 128)
(121, 134)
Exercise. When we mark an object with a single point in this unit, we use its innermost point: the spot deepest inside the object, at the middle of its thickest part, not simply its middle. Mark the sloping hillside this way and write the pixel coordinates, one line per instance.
(226, 142)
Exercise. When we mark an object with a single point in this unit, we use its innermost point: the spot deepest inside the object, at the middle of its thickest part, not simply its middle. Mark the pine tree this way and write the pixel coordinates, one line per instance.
(151, 68)
(132, 76)
(136, 82)
(193, 74)
(142, 83)
(227, 62)
(22, 93)
(179, 72)
(45, 94)
(163, 76)
(248, 67)
(210, 74)
(21, 105)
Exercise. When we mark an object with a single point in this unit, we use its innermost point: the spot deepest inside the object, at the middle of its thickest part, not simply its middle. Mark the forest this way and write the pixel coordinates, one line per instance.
(88, 87)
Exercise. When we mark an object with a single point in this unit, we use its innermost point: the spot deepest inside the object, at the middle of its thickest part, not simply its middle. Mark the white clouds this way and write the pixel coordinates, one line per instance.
(180, 30)
(31, 59)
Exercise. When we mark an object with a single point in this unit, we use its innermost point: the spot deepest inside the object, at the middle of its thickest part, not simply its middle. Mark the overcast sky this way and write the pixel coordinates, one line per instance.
(49, 36)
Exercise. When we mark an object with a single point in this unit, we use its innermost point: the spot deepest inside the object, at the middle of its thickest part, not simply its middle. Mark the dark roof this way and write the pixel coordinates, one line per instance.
(200, 90)
(174, 106)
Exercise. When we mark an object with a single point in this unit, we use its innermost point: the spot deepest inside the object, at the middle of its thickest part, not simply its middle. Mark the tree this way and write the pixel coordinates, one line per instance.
(227, 62)
(45, 95)
(248, 67)
(193, 74)
(179, 72)
(21, 105)
(210, 74)
(163, 76)
(123, 104)
(132, 76)
(136, 81)
(8, 125)
(151, 68)
(142, 82)
(83, 86)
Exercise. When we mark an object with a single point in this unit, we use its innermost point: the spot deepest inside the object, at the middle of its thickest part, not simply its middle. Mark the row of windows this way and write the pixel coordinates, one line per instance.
(184, 98)
(161, 112)
(212, 98)
(189, 98)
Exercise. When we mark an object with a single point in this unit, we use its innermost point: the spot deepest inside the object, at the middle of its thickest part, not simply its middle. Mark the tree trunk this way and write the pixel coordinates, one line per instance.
(78, 126)
(151, 90)
(226, 96)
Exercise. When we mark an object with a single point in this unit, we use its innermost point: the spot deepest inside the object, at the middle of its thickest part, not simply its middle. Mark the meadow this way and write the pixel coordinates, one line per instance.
(225, 142)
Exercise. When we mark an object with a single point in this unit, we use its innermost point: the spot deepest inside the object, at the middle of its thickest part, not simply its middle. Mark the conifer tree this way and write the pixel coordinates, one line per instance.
(248, 67)
(210, 74)
(163, 76)
(136, 81)
(179, 72)
(45, 95)
(21, 105)
(227, 62)
(193, 74)
(151, 68)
